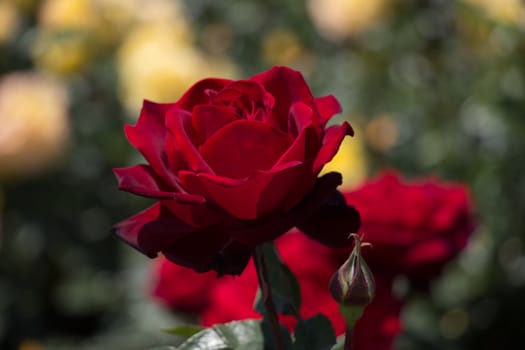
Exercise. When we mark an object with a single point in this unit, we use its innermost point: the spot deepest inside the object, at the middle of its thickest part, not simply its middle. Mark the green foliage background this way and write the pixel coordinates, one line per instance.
(448, 74)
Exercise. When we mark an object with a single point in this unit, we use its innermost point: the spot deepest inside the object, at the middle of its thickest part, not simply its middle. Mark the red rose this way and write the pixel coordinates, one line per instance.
(232, 164)
(414, 228)
(181, 288)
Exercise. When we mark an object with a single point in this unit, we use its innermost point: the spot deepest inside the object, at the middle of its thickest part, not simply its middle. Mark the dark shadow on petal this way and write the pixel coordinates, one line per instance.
(332, 223)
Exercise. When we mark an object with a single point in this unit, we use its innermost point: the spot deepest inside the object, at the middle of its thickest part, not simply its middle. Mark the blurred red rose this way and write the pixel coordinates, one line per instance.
(232, 164)
(178, 287)
(414, 228)
(381, 322)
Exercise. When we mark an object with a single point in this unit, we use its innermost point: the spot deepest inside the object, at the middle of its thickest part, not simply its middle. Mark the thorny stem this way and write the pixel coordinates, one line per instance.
(271, 313)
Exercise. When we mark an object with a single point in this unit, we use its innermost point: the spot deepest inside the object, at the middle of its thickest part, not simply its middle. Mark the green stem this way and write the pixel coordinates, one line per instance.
(348, 339)
(271, 313)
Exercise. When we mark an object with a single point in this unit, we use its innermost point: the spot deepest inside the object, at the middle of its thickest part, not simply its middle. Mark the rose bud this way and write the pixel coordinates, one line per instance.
(352, 285)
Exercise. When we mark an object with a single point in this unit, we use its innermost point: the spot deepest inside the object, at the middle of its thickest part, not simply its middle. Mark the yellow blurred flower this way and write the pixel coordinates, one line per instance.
(73, 32)
(122, 13)
(70, 14)
(282, 47)
(159, 63)
(62, 52)
(503, 11)
(70, 34)
(117, 17)
(382, 133)
(34, 124)
(350, 161)
(340, 19)
(9, 21)
(217, 37)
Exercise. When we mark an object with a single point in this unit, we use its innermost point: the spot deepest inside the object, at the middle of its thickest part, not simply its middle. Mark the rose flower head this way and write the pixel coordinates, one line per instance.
(415, 227)
(232, 164)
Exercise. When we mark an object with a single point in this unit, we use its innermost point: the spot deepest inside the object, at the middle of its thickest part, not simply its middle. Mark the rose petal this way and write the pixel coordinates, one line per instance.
(199, 93)
(264, 193)
(195, 214)
(151, 230)
(332, 223)
(209, 249)
(287, 86)
(300, 117)
(253, 232)
(327, 106)
(243, 147)
(178, 122)
(247, 96)
(149, 135)
(207, 119)
(142, 180)
(332, 139)
(304, 147)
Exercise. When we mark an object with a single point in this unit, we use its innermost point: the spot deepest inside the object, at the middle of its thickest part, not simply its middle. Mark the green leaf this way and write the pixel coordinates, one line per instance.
(315, 333)
(283, 284)
(269, 339)
(185, 330)
(237, 335)
(163, 348)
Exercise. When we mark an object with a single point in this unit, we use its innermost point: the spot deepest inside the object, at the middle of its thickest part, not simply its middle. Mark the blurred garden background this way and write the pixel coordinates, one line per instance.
(432, 87)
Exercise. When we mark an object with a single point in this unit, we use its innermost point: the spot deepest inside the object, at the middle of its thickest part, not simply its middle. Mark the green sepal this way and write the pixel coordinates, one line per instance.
(351, 313)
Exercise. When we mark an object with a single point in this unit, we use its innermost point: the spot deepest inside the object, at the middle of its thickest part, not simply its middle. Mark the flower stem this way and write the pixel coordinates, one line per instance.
(348, 339)
(271, 313)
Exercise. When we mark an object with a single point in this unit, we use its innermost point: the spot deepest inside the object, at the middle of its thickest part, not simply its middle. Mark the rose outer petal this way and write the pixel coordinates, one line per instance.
(328, 106)
(151, 230)
(301, 116)
(141, 180)
(333, 137)
(178, 123)
(304, 147)
(333, 222)
(209, 249)
(149, 135)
